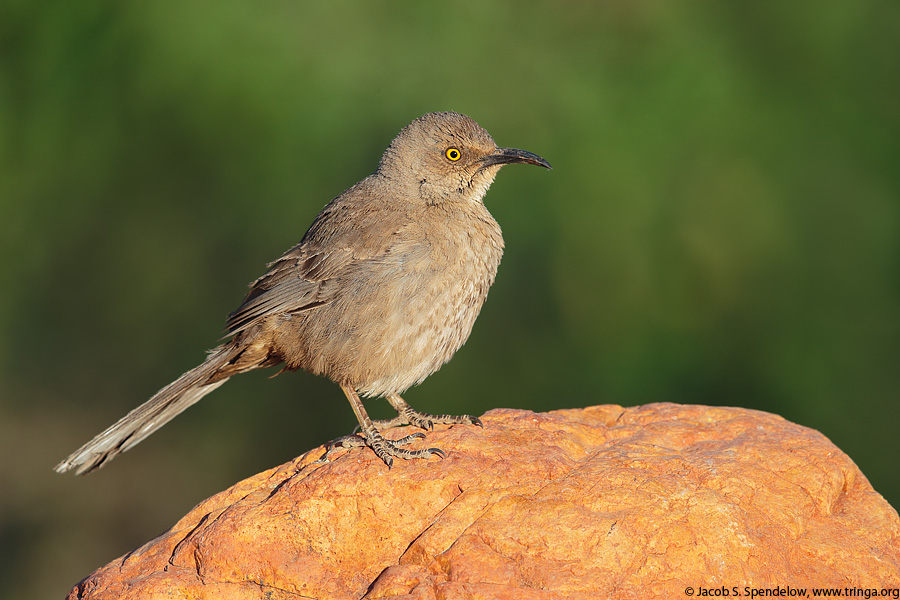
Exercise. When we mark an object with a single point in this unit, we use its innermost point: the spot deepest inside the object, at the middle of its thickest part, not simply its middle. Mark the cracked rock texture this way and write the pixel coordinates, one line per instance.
(602, 502)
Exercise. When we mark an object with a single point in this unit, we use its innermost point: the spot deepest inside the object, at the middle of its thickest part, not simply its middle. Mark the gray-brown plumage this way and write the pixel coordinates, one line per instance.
(383, 289)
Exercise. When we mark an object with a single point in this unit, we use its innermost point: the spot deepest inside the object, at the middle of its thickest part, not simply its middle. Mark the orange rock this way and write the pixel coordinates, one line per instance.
(602, 502)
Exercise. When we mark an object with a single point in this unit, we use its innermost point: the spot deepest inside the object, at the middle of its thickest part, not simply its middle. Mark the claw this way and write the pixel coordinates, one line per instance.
(406, 440)
(387, 450)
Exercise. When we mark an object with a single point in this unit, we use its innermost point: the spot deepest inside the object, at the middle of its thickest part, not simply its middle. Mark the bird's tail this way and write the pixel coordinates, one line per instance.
(166, 404)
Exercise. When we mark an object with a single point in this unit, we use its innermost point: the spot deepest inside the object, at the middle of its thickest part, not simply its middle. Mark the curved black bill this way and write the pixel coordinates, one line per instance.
(505, 156)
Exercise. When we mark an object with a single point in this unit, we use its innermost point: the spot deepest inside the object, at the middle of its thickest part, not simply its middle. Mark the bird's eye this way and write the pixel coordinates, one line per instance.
(453, 154)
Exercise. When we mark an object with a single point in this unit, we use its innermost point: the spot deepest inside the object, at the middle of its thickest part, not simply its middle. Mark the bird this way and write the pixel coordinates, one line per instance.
(381, 291)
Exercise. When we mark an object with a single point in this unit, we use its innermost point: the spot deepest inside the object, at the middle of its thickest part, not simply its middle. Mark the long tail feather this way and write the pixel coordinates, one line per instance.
(166, 404)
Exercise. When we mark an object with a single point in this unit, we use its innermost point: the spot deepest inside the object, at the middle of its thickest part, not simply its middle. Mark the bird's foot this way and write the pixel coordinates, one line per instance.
(384, 448)
(410, 416)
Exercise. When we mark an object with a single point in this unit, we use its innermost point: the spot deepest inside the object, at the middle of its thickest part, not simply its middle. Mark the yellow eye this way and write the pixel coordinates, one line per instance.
(453, 154)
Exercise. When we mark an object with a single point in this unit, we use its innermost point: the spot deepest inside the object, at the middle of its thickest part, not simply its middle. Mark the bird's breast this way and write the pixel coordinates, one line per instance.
(433, 284)
(396, 318)
(447, 268)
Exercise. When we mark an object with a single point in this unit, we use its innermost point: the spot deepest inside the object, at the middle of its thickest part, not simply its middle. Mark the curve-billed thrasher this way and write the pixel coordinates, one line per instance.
(382, 290)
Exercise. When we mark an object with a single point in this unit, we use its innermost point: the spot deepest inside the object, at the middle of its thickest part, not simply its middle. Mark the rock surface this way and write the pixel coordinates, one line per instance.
(602, 502)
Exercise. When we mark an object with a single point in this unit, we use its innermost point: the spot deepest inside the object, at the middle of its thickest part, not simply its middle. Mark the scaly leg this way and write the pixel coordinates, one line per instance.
(407, 415)
(370, 436)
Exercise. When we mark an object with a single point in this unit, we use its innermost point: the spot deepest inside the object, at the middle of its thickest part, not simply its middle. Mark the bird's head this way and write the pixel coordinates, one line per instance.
(447, 157)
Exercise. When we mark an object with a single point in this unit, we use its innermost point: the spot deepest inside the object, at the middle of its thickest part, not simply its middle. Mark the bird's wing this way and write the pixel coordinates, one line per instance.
(293, 283)
(303, 277)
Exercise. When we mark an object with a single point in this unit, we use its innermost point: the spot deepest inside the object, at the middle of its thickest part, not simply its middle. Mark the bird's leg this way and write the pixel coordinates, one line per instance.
(407, 415)
(370, 436)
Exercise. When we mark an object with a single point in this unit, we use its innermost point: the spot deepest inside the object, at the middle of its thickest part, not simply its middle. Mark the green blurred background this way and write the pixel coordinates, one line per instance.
(721, 225)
